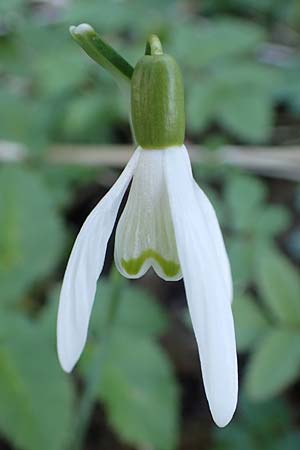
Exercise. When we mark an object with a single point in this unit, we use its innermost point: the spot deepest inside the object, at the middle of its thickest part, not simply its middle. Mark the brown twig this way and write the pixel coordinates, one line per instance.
(278, 162)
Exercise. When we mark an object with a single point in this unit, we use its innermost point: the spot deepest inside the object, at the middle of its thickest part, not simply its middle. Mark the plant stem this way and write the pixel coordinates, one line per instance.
(93, 379)
(101, 52)
(153, 46)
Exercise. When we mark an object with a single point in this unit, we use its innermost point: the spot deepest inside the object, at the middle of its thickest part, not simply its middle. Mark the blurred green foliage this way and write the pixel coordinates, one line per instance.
(241, 70)
(268, 426)
(37, 399)
(271, 330)
(30, 229)
(137, 385)
(252, 223)
(48, 89)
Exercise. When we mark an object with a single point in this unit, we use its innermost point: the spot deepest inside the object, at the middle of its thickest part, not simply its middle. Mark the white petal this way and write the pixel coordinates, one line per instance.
(207, 290)
(216, 238)
(83, 270)
(145, 234)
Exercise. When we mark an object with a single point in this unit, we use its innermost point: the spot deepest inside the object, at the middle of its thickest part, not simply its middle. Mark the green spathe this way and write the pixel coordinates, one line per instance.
(133, 266)
(157, 99)
(101, 52)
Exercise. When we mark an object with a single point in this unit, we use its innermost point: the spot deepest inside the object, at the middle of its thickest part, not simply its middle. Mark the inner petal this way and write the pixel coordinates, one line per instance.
(145, 234)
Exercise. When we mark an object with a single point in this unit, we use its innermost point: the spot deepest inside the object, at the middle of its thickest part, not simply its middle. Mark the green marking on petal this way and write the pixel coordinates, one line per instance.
(132, 266)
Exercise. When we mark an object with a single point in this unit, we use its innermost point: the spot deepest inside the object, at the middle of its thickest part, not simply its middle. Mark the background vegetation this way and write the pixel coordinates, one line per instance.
(241, 66)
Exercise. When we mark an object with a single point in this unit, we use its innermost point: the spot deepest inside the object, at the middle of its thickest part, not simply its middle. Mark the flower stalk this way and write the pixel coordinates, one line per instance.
(153, 46)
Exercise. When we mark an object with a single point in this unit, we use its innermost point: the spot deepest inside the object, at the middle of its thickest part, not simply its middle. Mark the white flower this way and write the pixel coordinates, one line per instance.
(168, 223)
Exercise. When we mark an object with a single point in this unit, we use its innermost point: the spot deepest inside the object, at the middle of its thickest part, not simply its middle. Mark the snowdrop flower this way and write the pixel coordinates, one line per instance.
(168, 224)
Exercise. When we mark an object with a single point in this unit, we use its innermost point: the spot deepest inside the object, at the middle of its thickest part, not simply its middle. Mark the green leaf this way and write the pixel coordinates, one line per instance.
(63, 180)
(230, 93)
(12, 6)
(289, 90)
(23, 120)
(244, 196)
(140, 392)
(82, 114)
(279, 286)
(269, 419)
(142, 16)
(250, 323)
(202, 101)
(248, 74)
(274, 365)
(248, 113)
(88, 117)
(256, 427)
(32, 234)
(36, 407)
(241, 255)
(137, 385)
(137, 312)
(57, 74)
(272, 220)
(207, 45)
(233, 438)
(289, 442)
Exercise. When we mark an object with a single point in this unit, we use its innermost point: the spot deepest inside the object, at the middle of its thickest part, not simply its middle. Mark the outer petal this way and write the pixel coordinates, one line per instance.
(83, 270)
(207, 290)
(216, 238)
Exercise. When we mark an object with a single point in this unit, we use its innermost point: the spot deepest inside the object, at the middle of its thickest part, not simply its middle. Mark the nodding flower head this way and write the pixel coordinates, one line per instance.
(168, 224)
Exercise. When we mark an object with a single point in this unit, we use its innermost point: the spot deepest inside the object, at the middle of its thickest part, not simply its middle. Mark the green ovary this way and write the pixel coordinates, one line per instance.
(132, 266)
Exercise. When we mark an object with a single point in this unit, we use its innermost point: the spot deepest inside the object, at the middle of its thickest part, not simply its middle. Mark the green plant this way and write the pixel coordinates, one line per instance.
(270, 330)
(265, 426)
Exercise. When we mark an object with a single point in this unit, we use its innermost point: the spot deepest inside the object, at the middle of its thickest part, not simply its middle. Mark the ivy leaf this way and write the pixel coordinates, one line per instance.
(274, 365)
(32, 234)
(250, 323)
(36, 397)
(279, 286)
